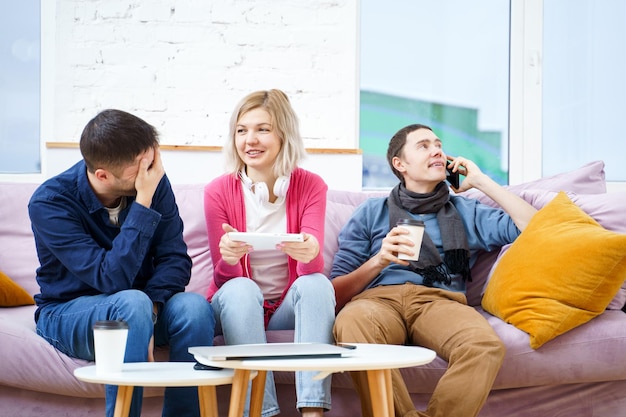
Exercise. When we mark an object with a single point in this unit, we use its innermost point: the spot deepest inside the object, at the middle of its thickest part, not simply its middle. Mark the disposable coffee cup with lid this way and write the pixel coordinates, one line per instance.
(109, 339)
(416, 233)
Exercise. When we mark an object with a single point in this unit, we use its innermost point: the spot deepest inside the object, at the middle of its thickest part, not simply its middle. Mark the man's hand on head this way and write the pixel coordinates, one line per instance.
(148, 177)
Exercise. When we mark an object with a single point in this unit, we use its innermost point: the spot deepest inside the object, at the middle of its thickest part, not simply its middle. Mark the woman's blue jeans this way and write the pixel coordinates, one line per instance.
(185, 320)
(308, 309)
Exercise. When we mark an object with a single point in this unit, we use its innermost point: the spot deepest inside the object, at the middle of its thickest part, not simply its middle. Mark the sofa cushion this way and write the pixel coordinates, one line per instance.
(30, 362)
(617, 303)
(560, 360)
(606, 209)
(588, 179)
(18, 257)
(11, 294)
(557, 361)
(190, 201)
(562, 271)
(339, 208)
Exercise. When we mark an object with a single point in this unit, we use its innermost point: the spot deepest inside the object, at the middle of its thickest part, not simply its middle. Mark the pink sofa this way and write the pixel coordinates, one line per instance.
(580, 373)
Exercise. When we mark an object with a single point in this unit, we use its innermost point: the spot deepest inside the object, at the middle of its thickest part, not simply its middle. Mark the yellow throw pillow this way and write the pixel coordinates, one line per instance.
(562, 271)
(11, 294)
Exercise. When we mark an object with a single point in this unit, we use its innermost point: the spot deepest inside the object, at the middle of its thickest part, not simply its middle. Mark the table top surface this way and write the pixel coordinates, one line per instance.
(363, 357)
(157, 374)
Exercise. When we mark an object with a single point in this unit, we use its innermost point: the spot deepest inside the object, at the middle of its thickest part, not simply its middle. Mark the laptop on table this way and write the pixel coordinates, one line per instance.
(271, 351)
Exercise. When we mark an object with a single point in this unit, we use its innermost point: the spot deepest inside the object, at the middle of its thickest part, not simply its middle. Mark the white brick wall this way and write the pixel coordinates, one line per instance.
(183, 64)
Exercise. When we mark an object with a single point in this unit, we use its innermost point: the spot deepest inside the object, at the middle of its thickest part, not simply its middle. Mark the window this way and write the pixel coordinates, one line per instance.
(444, 64)
(20, 88)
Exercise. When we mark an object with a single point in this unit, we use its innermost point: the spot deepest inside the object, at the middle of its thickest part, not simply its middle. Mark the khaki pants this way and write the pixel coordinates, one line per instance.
(439, 320)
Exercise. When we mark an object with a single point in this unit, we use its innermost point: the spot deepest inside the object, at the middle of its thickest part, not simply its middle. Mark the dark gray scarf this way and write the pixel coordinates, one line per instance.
(455, 246)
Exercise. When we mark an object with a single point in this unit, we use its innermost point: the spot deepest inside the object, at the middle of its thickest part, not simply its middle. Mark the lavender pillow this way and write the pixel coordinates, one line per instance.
(339, 208)
(588, 179)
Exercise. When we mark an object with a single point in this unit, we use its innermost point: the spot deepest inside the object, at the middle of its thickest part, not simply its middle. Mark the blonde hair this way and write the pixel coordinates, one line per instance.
(284, 121)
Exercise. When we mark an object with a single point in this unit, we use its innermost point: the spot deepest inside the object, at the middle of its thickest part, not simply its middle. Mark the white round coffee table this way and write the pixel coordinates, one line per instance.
(160, 374)
(377, 360)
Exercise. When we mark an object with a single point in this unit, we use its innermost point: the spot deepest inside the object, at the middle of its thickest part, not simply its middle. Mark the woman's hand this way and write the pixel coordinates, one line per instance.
(232, 251)
(304, 251)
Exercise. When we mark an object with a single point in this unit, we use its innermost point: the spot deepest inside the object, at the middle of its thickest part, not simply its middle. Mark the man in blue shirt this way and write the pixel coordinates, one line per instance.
(383, 299)
(110, 244)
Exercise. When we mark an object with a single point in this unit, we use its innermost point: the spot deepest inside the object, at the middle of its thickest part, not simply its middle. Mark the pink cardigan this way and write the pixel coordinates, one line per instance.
(306, 211)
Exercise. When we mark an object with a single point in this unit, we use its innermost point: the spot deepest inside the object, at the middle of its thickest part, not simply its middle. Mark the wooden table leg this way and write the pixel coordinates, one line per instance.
(238, 392)
(208, 401)
(381, 393)
(257, 394)
(389, 386)
(123, 400)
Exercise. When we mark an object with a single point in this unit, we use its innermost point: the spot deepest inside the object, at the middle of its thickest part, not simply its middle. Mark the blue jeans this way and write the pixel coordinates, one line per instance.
(308, 308)
(185, 320)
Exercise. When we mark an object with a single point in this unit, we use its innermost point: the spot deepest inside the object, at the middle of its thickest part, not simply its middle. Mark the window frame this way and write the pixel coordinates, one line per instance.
(525, 91)
(526, 97)
(48, 76)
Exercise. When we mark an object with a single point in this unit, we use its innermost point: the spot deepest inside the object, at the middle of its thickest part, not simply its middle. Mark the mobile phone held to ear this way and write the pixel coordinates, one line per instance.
(452, 177)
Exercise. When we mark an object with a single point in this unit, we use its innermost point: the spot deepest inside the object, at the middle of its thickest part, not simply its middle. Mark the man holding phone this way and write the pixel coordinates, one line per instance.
(384, 299)
(109, 239)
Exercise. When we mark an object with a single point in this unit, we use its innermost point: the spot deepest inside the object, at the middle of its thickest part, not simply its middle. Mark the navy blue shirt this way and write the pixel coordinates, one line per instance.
(82, 253)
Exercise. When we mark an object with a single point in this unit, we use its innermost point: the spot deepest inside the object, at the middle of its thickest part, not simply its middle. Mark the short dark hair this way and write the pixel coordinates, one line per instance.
(113, 139)
(396, 145)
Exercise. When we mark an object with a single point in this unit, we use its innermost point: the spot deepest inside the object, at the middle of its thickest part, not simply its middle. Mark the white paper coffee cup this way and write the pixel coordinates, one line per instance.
(416, 233)
(109, 338)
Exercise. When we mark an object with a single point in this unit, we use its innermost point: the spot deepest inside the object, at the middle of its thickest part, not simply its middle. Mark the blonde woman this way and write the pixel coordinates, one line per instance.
(281, 288)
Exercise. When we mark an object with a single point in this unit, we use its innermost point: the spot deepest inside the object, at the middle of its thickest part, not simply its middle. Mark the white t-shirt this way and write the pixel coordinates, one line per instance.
(269, 267)
(114, 213)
